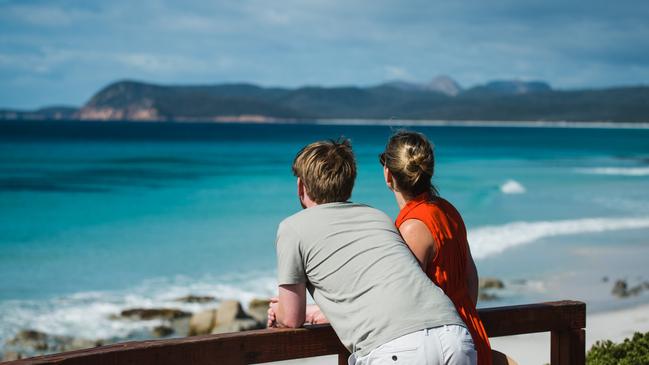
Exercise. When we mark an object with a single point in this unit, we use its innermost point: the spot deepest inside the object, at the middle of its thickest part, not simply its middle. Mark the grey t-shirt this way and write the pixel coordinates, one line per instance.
(361, 274)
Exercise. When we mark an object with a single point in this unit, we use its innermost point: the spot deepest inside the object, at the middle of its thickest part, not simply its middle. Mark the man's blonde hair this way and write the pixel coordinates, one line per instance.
(327, 170)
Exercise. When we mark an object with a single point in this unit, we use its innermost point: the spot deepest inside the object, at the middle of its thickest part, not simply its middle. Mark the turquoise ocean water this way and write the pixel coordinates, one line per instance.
(99, 217)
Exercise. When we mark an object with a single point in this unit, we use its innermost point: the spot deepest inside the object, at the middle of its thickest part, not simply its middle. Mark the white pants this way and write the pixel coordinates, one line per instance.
(444, 345)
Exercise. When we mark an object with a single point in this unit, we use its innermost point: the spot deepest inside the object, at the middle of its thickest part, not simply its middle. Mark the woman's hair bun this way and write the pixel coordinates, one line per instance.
(409, 157)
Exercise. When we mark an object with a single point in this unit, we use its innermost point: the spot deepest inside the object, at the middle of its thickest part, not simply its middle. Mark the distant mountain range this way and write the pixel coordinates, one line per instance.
(440, 99)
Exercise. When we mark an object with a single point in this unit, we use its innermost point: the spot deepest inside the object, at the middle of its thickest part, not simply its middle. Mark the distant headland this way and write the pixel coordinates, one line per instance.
(440, 99)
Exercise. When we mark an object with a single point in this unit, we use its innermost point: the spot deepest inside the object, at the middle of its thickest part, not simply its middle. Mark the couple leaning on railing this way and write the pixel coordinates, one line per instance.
(403, 293)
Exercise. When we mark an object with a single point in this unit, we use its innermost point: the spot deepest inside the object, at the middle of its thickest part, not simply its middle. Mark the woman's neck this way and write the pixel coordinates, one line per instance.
(402, 199)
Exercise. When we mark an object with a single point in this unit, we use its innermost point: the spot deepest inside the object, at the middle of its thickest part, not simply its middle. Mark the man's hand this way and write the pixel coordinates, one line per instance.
(314, 315)
(272, 312)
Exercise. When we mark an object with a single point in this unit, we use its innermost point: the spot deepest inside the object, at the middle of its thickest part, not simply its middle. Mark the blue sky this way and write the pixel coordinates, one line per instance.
(62, 51)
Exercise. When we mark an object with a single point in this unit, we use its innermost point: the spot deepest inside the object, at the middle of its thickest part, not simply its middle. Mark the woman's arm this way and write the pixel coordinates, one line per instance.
(471, 277)
(419, 240)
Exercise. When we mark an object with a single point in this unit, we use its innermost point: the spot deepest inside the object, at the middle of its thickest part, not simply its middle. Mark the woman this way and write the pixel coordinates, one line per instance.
(433, 229)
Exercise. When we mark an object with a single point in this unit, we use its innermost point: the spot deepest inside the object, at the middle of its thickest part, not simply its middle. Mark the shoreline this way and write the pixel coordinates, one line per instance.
(261, 120)
(485, 123)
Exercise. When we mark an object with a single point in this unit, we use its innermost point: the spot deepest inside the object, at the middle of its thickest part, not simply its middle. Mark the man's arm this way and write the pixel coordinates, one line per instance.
(313, 314)
(290, 309)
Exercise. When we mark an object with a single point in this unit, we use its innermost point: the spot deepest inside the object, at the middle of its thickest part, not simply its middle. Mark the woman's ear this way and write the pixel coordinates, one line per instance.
(389, 179)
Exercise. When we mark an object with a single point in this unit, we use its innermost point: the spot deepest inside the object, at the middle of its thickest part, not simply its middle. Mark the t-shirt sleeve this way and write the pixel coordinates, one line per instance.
(290, 265)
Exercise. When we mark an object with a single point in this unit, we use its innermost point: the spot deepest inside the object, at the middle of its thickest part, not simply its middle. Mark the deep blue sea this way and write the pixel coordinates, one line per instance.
(98, 217)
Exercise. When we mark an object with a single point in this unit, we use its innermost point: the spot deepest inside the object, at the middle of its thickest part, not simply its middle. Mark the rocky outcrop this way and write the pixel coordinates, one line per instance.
(162, 331)
(153, 313)
(31, 342)
(195, 299)
(228, 317)
(487, 286)
(11, 356)
(491, 283)
(622, 290)
(258, 309)
(202, 323)
(487, 297)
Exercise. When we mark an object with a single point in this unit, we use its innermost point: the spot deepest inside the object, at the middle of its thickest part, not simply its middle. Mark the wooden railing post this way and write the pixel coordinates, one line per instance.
(343, 355)
(568, 347)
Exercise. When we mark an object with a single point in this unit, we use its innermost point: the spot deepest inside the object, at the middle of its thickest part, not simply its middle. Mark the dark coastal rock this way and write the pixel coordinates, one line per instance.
(237, 325)
(620, 289)
(229, 310)
(70, 343)
(196, 299)
(154, 313)
(229, 317)
(635, 290)
(162, 331)
(258, 309)
(11, 356)
(491, 283)
(180, 326)
(30, 339)
(30, 342)
(487, 297)
(202, 323)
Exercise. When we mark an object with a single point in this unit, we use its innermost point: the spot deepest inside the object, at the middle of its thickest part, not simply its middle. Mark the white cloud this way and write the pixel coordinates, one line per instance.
(397, 73)
(41, 15)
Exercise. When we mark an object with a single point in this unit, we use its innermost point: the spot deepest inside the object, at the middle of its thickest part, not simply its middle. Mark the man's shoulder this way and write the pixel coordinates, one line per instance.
(321, 213)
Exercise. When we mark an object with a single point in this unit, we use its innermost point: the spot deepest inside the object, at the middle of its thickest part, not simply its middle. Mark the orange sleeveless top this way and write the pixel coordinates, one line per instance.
(448, 268)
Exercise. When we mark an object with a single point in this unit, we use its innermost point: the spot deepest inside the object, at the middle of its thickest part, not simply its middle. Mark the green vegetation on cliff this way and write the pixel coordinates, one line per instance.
(442, 99)
(633, 351)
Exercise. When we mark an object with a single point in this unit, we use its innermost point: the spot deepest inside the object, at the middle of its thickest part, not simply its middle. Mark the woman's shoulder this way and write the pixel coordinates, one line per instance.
(440, 204)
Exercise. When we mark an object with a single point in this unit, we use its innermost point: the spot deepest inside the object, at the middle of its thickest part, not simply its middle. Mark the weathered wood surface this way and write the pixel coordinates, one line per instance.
(565, 319)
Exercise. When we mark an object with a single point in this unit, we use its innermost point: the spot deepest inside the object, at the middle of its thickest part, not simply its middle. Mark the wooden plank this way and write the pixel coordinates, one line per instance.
(531, 318)
(565, 319)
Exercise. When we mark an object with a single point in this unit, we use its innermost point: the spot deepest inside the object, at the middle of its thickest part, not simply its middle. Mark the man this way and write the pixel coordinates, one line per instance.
(359, 271)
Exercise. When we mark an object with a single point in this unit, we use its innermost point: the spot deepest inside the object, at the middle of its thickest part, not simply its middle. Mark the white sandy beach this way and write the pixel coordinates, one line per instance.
(534, 349)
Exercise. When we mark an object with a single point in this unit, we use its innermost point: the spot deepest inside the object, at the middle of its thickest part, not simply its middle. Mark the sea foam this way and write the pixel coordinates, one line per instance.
(88, 314)
(623, 171)
(490, 240)
(512, 187)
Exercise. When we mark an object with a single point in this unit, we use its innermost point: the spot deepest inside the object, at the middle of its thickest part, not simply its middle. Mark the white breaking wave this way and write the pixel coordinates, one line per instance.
(624, 171)
(490, 240)
(512, 187)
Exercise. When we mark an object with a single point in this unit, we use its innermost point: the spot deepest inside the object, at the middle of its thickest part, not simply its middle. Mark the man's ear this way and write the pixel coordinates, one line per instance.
(300, 189)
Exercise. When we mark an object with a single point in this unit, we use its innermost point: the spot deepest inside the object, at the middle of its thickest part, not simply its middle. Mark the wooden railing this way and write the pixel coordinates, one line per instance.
(565, 320)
